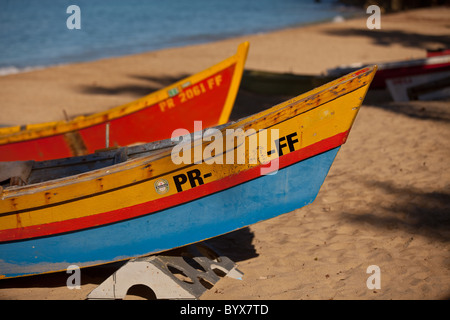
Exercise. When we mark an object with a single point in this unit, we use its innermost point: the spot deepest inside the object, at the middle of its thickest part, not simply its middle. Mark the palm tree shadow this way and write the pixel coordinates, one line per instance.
(415, 211)
(382, 37)
(154, 84)
(431, 110)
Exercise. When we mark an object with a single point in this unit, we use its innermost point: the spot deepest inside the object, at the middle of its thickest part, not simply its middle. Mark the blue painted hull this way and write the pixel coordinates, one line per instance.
(265, 197)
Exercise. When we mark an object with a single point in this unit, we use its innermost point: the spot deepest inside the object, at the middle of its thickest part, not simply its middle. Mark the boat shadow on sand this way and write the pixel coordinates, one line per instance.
(236, 245)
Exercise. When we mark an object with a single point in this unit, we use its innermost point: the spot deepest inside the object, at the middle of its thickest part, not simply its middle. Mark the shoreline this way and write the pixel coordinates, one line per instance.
(338, 10)
(385, 201)
(11, 70)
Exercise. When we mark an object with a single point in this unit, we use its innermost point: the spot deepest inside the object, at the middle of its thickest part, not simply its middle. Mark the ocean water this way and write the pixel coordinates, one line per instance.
(34, 33)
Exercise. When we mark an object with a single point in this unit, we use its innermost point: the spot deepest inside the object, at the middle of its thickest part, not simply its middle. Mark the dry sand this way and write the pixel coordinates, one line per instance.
(385, 202)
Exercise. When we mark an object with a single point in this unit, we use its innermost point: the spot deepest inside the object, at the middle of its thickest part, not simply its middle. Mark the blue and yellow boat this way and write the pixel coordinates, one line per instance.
(131, 202)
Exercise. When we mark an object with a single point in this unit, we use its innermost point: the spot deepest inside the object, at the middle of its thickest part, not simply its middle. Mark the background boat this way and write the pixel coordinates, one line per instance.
(207, 96)
(438, 52)
(432, 86)
(398, 69)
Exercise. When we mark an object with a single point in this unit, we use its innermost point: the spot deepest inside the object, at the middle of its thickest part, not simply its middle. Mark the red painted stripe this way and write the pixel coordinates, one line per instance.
(170, 201)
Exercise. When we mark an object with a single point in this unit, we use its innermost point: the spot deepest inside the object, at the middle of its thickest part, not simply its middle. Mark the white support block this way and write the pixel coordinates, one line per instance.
(184, 275)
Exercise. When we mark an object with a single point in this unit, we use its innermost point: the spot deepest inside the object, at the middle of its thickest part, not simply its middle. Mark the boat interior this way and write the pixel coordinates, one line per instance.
(21, 173)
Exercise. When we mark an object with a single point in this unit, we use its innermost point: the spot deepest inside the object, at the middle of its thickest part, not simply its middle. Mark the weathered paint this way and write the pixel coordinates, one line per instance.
(208, 96)
(117, 212)
(221, 212)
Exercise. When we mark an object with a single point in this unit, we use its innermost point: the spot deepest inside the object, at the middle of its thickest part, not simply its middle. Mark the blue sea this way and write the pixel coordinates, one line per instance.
(35, 33)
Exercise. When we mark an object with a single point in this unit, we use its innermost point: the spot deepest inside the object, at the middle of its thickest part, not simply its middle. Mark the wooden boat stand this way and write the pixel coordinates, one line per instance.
(185, 273)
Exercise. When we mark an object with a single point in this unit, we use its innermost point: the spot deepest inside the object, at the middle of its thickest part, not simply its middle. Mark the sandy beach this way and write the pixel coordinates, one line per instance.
(385, 202)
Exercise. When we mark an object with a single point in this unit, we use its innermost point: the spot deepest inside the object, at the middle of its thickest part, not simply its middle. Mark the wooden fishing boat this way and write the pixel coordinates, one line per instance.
(438, 52)
(140, 200)
(399, 69)
(208, 96)
(428, 86)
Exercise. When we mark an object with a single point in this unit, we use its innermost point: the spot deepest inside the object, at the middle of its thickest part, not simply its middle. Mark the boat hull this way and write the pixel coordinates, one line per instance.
(153, 202)
(401, 69)
(293, 186)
